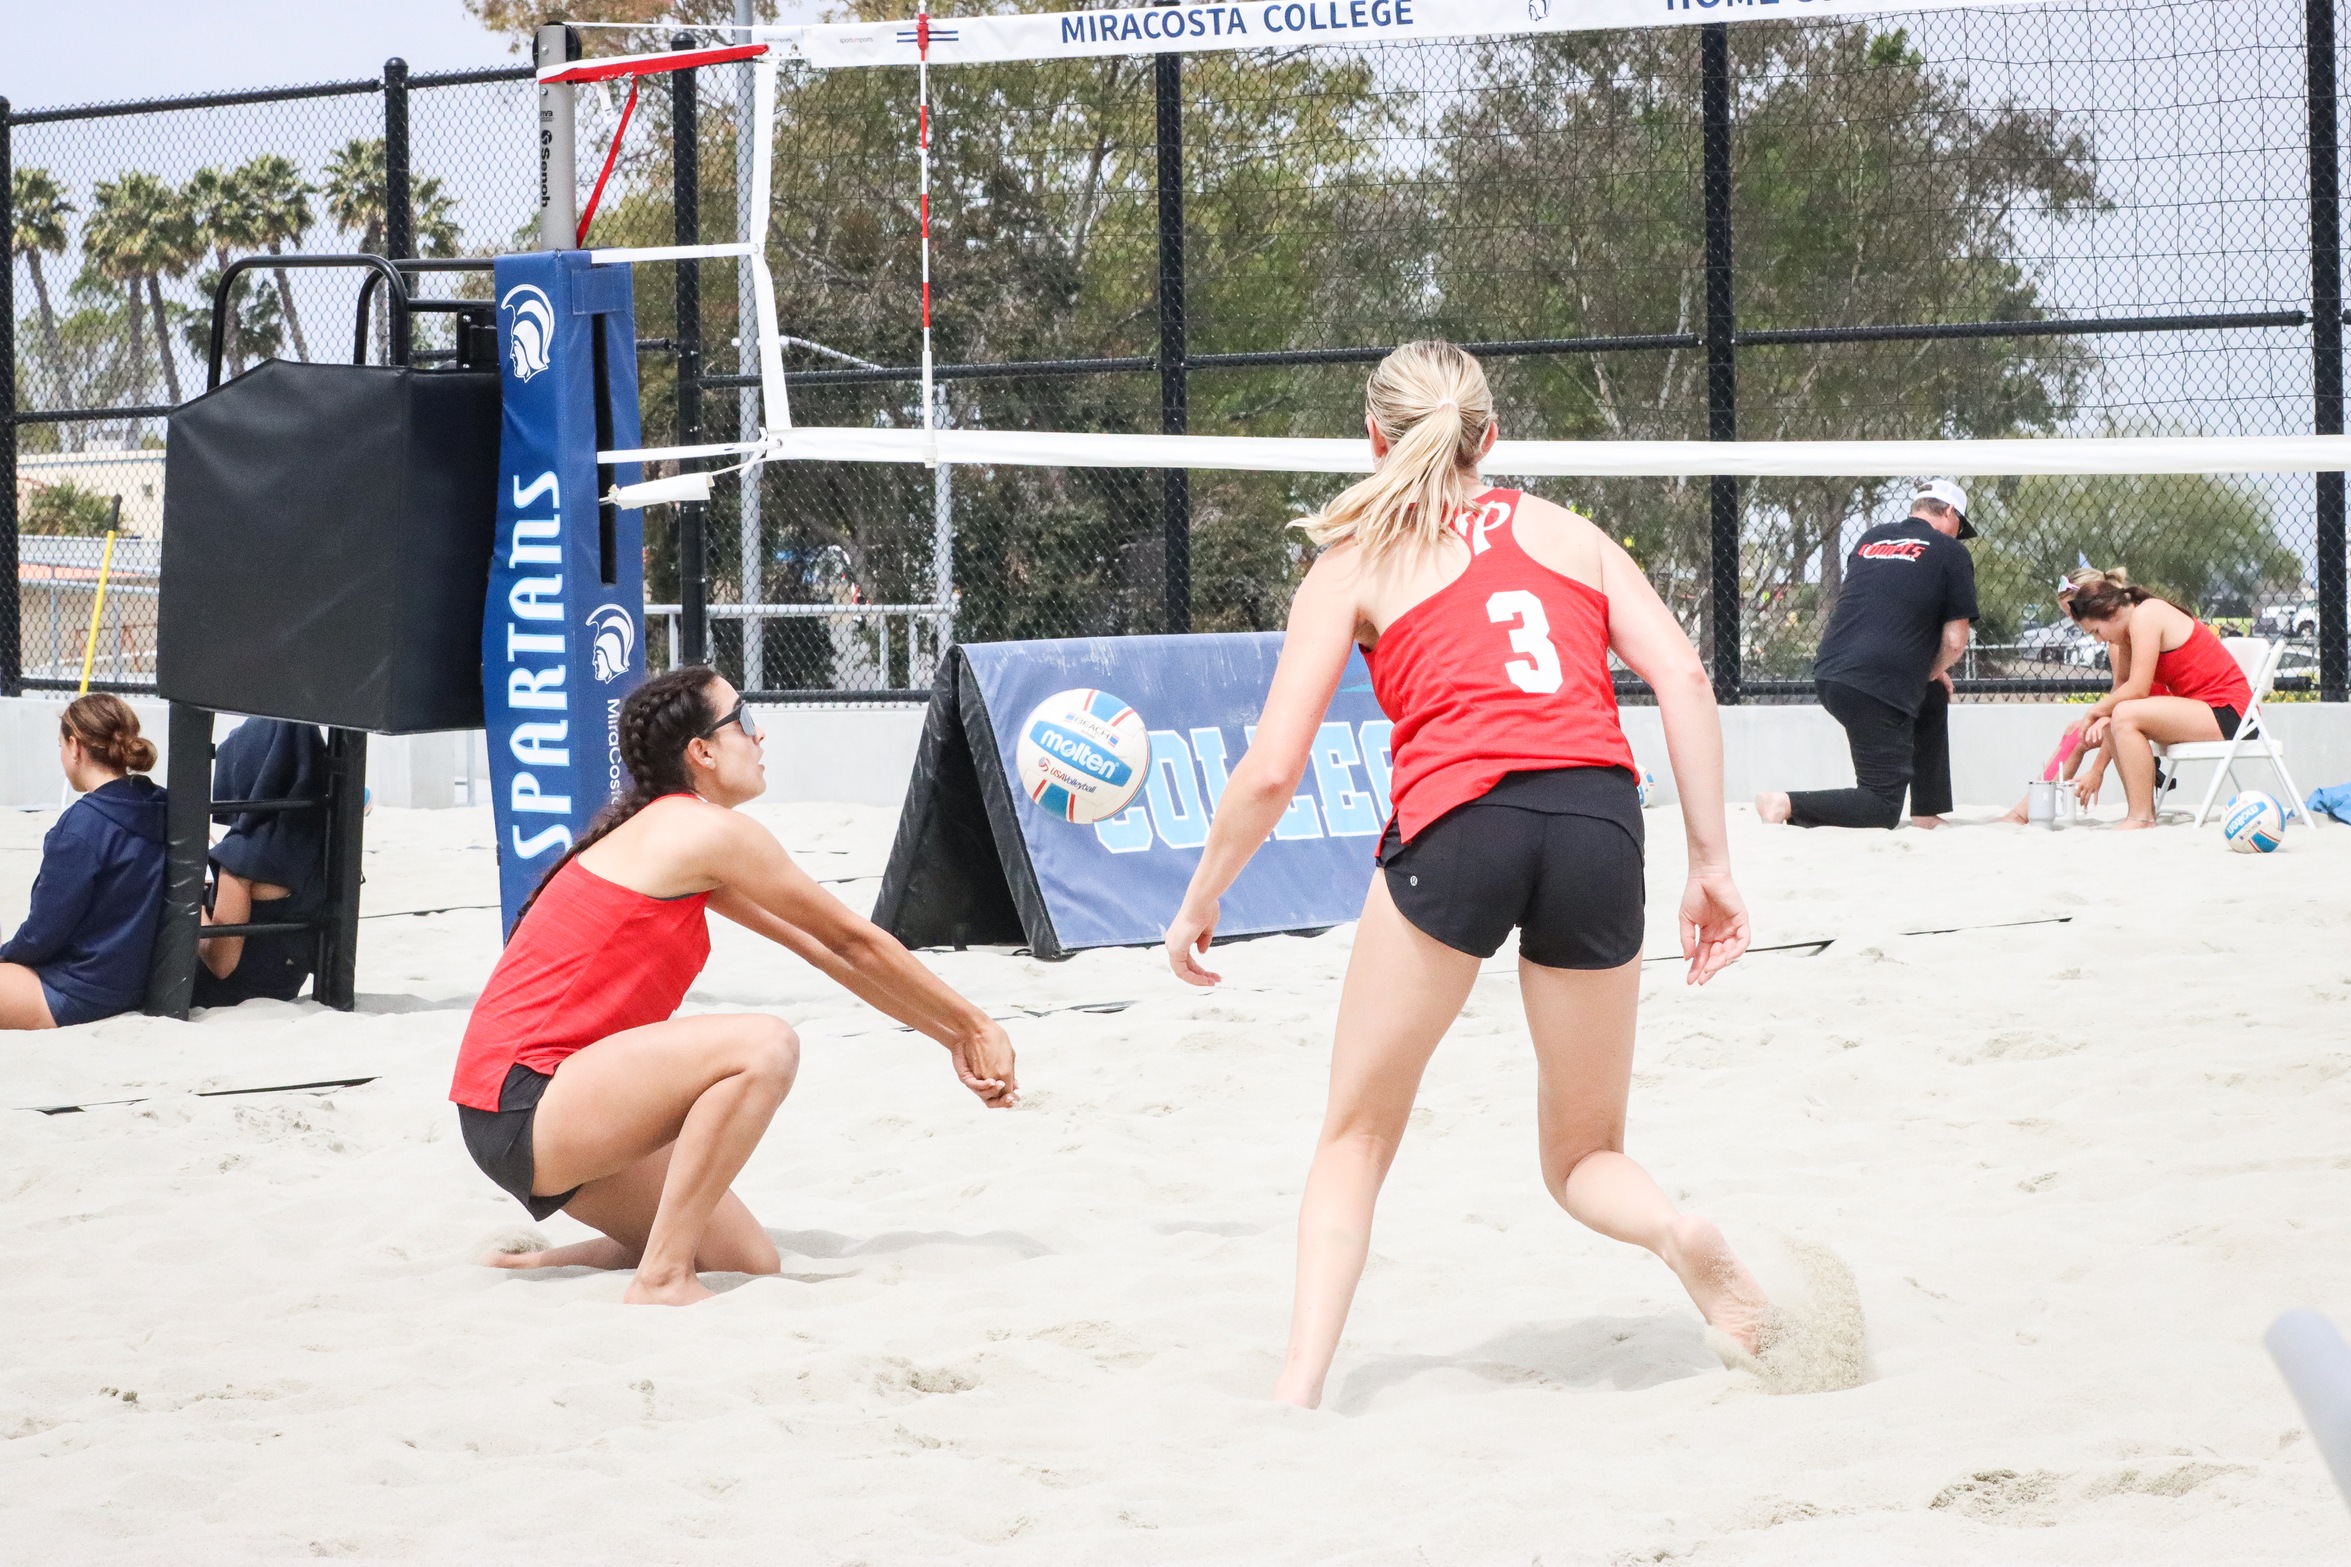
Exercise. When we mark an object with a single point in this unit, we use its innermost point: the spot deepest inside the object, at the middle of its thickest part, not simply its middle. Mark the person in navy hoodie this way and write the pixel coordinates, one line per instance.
(82, 952)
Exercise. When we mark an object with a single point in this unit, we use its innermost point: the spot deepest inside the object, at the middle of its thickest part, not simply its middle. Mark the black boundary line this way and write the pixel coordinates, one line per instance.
(1816, 948)
(203, 1093)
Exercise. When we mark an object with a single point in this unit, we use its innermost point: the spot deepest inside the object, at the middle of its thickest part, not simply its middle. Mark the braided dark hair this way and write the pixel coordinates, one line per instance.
(657, 721)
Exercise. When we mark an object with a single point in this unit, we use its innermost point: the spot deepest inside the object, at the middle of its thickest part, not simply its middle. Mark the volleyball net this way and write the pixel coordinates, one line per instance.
(2014, 221)
(986, 424)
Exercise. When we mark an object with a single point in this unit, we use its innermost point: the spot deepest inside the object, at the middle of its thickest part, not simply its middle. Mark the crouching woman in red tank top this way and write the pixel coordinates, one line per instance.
(2174, 682)
(576, 1088)
(1488, 617)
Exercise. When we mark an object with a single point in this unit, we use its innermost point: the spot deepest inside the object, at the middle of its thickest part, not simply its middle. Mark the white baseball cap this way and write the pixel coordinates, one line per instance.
(1950, 494)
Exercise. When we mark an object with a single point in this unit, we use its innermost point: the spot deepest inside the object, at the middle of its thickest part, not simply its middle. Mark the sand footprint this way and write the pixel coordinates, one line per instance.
(1814, 1338)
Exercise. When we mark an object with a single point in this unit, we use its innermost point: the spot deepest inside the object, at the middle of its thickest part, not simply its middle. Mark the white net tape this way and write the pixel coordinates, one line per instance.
(1584, 459)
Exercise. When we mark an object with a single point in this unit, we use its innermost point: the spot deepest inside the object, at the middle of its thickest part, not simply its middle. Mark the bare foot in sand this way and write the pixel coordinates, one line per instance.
(2134, 823)
(682, 1290)
(1926, 823)
(1774, 807)
(2016, 816)
(1725, 1293)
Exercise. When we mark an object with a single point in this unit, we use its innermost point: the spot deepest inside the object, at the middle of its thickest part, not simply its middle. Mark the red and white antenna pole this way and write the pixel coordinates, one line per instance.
(922, 44)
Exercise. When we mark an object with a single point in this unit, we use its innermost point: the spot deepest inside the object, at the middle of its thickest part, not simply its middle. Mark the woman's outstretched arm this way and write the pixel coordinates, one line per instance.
(763, 890)
(1643, 632)
(1320, 636)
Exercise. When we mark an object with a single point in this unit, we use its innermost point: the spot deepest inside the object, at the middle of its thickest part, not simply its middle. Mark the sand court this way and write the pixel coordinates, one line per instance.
(2076, 1150)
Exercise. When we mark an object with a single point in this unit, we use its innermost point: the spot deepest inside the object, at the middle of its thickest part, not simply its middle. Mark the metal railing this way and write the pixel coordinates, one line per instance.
(864, 656)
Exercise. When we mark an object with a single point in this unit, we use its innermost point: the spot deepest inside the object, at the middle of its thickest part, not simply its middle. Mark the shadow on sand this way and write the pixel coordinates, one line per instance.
(1626, 1353)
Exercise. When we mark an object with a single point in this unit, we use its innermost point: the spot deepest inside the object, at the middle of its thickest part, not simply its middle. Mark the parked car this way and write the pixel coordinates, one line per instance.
(2289, 620)
(2063, 643)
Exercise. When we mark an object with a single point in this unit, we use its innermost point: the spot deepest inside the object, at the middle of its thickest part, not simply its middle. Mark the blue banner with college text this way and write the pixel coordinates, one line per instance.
(562, 631)
(1118, 882)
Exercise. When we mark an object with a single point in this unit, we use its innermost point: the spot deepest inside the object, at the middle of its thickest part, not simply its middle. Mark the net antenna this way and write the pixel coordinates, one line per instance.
(1133, 32)
(775, 409)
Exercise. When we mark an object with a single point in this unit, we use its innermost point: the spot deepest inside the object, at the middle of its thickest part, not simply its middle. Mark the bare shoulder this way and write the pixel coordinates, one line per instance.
(690, 831)
(1568, 542)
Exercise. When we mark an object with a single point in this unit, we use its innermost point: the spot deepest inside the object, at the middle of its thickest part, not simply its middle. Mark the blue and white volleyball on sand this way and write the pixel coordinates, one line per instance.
(1083, 754)
(2253, 823)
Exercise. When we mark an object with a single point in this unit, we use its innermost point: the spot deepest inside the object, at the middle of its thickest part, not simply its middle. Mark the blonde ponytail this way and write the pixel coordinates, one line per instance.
(1431, 404)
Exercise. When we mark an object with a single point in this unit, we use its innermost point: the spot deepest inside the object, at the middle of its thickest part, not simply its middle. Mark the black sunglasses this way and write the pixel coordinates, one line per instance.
(740, 713)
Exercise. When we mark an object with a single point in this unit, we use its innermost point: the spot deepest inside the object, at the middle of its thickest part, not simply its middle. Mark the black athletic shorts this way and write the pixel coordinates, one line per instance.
(2228, 718)
(1555, 854)
(500, 1140)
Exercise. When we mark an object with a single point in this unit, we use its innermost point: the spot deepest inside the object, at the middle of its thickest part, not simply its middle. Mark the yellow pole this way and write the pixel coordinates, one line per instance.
(97, 608)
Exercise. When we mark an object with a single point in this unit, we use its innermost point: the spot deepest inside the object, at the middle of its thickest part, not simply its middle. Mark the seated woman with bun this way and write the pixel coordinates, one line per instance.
(579, 1090)
(2173, 683)
(83, 949)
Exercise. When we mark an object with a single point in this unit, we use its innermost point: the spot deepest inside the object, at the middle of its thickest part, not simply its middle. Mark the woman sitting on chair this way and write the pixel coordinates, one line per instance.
(2173, 683)
(82, 952)
(270, 866)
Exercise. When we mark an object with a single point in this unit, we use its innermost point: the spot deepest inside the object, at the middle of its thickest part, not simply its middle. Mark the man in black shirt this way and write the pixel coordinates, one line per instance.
(1883, 670)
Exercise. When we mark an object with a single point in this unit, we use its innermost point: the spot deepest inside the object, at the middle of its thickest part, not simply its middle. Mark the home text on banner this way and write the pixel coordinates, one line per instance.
(562, 631)
(977, 861)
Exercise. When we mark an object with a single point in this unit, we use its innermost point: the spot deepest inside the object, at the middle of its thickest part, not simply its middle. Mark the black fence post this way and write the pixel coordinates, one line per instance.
(2326, 343)
(334, 982)
(686, 213)
(1722, 370)
(11, 598)
(1175, 485)
(171, 973)
(399, 216)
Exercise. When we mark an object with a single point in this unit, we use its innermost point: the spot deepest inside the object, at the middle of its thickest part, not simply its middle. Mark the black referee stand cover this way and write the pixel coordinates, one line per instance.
(327, 532)
(948, 884)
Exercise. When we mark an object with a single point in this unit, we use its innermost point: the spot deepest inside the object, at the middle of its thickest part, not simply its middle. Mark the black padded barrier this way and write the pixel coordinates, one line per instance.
(326, 544)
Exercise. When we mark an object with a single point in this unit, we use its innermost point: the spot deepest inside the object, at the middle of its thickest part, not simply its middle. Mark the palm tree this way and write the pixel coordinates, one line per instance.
(222, 212)
(281, 214)
(125, 243)
(178, 246)
(355, 191)
(356, 201)
(431, 218)
(41, 209)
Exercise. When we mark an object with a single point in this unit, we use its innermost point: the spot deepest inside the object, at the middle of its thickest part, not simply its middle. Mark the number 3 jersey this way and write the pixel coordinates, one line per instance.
(1503, 670)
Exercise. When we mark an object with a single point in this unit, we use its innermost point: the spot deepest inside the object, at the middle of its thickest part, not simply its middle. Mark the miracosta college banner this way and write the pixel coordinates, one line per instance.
(1283, 24)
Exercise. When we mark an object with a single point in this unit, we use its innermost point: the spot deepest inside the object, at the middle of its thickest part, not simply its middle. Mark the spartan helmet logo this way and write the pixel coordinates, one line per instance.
(615, 633)
(531, 331)
(1538, 9)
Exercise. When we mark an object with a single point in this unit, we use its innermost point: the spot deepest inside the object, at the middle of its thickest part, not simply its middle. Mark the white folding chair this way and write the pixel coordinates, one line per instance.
(2259, 658)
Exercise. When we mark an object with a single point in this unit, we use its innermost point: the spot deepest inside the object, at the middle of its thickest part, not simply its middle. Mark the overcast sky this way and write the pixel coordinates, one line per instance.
(52, 53)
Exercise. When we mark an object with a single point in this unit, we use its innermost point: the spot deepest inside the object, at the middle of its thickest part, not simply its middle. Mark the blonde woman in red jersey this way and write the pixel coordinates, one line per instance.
(1487, 617)
(577, 1091)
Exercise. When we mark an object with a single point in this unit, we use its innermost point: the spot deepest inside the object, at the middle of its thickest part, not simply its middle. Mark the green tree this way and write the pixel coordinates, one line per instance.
(65, 508)
(2209, 544)
(280, 201)
(40, 209)
(139, 230)
(1868, 187)
(227, 223)
(354, 191)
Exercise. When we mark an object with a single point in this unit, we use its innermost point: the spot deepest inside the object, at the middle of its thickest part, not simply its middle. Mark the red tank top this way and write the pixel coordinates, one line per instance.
(2204, 671)
(1502, 670)
(590, 959)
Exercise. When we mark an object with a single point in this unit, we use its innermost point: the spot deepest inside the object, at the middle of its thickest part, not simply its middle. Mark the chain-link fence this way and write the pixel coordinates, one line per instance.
(2049, 219)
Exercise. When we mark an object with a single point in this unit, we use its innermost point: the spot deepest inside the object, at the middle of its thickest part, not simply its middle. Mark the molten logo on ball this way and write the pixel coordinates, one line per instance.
(1083, 755)
(2253, 823)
